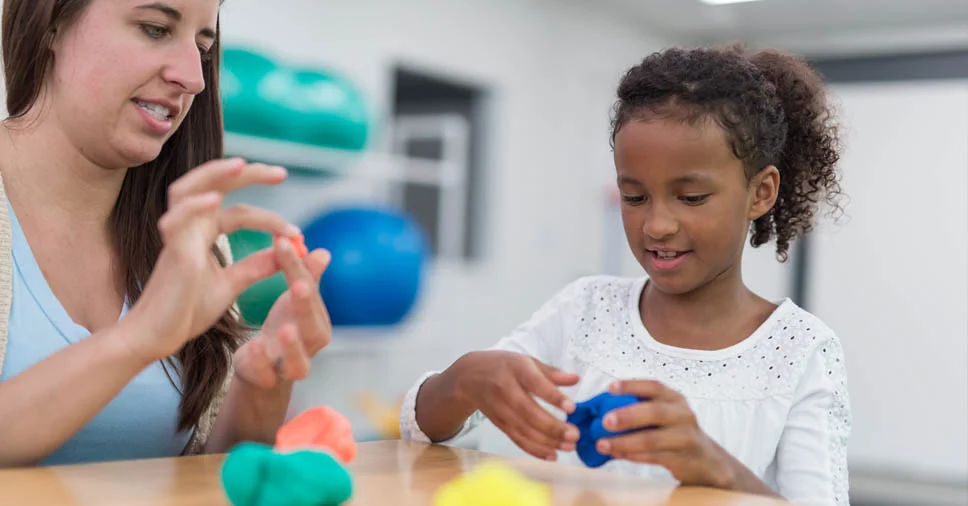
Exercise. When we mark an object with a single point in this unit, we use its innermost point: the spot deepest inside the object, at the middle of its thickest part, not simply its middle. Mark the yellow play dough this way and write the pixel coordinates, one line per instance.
(493, 484)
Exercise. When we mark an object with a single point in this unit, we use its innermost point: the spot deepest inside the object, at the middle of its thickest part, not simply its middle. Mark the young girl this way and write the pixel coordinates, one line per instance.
(117, 334)
(710, 146)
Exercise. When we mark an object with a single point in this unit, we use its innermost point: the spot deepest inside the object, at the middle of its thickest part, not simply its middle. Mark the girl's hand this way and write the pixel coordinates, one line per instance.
(296, 328)
(676, 442)
(188, 290)
(501, 384)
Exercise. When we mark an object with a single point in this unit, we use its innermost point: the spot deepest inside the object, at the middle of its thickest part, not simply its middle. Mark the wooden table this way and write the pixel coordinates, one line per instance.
(385, 473)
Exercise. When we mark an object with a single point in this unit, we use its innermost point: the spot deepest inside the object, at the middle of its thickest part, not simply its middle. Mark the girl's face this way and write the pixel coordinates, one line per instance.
(125, 75)
(686, 201)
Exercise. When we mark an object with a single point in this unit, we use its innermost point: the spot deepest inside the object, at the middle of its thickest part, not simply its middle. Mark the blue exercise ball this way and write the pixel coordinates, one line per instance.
(377, 267)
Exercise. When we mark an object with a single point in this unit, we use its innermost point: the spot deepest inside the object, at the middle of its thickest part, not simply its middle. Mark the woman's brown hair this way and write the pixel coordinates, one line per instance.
(29, 29)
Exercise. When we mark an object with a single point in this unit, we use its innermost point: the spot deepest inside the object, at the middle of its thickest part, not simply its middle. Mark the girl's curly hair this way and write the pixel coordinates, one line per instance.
(773, 108)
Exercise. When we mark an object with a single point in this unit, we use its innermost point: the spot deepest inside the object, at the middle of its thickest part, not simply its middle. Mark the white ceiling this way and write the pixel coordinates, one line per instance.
(810, 26)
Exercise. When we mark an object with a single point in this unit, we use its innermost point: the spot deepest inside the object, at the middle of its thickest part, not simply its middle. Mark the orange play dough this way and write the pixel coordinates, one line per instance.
(299, 244)
(320, 428)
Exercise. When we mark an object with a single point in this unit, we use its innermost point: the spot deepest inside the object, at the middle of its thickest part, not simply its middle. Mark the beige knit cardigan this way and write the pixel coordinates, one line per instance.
(204, 427)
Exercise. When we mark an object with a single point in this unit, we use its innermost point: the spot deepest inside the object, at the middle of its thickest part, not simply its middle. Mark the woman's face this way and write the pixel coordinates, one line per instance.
(125, 74)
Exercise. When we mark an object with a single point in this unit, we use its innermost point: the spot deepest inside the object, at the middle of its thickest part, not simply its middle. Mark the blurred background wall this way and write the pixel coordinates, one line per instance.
(467, 142)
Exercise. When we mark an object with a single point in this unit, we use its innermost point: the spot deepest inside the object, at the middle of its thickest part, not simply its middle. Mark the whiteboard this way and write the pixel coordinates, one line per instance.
(892, 280)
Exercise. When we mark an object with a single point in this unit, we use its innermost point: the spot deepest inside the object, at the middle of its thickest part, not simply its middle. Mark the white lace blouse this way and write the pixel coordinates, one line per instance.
(777, 401)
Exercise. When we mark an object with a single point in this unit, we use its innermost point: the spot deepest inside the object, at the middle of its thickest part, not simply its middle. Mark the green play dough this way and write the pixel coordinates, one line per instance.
(255, 475)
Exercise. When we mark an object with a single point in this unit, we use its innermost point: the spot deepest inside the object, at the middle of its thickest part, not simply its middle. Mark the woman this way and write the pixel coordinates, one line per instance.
(112, 181)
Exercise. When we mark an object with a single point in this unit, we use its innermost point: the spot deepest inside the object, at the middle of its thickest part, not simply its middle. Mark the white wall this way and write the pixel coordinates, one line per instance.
(552, 67)
(892, 282)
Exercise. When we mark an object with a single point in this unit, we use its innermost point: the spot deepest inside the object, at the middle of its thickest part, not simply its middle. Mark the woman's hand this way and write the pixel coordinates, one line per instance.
(188, 290)
(297, 327)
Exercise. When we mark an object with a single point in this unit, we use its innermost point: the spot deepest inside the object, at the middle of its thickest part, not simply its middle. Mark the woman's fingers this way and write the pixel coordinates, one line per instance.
(224, 176)
(241, 216)
(295, 362)
(250, 270)
(308, 308)
(292, 266)
(316, 262)
(185, 214)
(256, 365)
(203, 178)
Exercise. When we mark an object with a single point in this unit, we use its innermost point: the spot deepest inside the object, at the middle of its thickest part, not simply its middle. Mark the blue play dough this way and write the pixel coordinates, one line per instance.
(588, 416)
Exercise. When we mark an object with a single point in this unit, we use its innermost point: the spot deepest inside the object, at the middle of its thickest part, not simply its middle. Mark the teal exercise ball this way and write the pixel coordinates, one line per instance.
(256, 301)
(252, 94)
(378, 264)
(324, 109)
